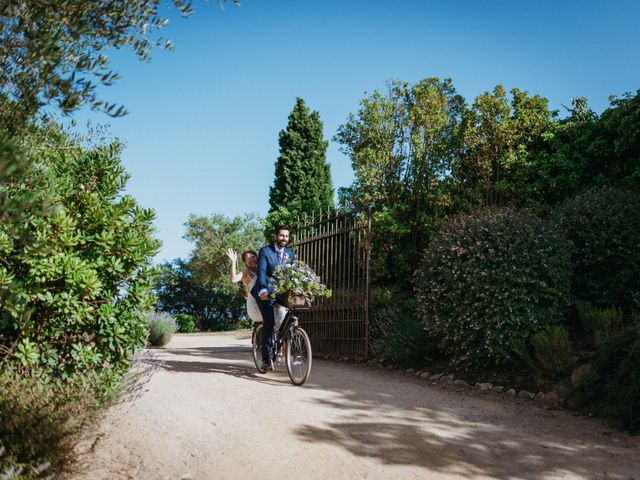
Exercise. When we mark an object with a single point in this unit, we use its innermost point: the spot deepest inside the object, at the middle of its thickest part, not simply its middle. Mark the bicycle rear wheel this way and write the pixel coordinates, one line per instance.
(256, 346)
(298, 356)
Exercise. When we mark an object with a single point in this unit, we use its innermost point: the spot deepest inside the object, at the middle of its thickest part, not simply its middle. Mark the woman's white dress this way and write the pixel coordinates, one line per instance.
(252, 306)
(254, 311)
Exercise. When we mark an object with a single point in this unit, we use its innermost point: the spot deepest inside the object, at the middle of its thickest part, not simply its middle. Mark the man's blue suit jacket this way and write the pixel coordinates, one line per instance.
(267, 263)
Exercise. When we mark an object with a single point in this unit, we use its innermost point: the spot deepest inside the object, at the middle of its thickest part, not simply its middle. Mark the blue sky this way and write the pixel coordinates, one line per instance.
(202, 132)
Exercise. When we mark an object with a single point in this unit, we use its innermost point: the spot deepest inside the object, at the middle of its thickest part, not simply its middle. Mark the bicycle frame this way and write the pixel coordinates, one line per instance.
(291, 335)
(282, 334)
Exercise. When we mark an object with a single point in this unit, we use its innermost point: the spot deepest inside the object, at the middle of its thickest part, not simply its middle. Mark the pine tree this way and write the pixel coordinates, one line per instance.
(302, 175)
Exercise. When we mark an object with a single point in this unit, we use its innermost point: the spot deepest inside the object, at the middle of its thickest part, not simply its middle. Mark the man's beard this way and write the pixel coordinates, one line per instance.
(282, 243)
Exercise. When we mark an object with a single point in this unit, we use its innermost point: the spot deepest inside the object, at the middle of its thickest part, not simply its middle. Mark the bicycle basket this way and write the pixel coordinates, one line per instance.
(298, 302)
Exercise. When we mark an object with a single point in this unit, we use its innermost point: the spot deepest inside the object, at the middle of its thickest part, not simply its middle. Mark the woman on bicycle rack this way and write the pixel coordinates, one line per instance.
(248, 276)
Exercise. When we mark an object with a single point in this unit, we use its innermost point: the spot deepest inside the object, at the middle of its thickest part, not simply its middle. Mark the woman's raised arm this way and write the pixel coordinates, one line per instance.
(235, 275)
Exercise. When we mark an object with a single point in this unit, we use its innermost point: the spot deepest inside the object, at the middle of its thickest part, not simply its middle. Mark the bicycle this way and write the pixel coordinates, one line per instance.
(289, 341)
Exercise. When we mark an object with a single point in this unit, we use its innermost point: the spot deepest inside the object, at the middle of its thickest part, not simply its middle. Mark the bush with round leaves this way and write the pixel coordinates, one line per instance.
(604, 227)
(490, 280)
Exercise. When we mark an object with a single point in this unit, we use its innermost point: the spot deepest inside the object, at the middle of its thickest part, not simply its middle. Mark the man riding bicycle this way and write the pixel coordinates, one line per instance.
(269, 258)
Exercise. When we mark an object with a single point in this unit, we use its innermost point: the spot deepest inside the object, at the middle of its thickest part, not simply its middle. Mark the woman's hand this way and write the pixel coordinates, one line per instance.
(233, 256)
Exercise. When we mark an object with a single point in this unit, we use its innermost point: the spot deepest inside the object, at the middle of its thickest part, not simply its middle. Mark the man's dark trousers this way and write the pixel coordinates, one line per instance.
(268, 322)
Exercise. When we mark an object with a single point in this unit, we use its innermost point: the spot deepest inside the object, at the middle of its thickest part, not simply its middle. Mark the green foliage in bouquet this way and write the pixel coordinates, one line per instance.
(297, 279)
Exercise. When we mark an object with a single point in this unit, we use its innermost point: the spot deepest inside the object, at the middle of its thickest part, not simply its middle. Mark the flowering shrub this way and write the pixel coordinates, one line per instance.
(604, 226)
(298, 279)
(489, 281)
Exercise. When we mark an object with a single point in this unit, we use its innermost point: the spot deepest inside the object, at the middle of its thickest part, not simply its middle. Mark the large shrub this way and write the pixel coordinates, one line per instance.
(490, 280)
(604, 227)
(75, 277)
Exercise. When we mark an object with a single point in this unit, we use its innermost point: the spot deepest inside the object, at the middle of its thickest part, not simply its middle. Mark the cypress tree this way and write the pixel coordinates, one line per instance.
(302, 175)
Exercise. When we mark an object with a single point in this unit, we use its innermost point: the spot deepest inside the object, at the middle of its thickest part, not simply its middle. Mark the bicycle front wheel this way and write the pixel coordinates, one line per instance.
(298, 356)
(256, 346)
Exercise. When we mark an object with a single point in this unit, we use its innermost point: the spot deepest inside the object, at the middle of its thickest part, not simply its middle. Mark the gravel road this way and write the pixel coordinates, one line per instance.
(208, 414)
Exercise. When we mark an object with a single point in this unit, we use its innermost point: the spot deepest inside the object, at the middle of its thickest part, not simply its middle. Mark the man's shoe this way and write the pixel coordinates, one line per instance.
(267, 366)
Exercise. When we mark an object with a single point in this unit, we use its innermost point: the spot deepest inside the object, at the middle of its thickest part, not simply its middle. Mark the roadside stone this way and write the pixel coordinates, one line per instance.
(448, 378)
(410, 370)
(580, 373)
(436, 376)
(424, 375)
(539, 397)
(460, 383)
(524, 395)
(551, 399)
(563, 391)
(483, 386)
(497, 388)
(510, 392)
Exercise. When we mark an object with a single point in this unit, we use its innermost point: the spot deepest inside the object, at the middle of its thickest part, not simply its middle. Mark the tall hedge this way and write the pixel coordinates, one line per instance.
(490, 280)
(604, 227)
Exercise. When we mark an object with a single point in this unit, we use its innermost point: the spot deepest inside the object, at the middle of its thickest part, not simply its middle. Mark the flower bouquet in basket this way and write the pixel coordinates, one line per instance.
(298, 285)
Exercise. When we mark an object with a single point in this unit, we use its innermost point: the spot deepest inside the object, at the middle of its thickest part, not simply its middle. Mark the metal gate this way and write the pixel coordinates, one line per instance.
(337, 245)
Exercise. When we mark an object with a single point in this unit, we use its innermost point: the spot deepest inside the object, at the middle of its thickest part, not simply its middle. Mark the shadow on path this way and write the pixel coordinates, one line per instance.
(236, 361)
(403, 421)
(399, 420)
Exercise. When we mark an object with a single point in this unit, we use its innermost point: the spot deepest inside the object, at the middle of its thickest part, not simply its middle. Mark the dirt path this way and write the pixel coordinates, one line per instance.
(202, 417)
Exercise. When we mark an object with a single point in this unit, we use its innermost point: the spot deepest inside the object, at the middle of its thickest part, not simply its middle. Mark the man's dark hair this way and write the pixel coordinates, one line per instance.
(244, 254)
(282, 227)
